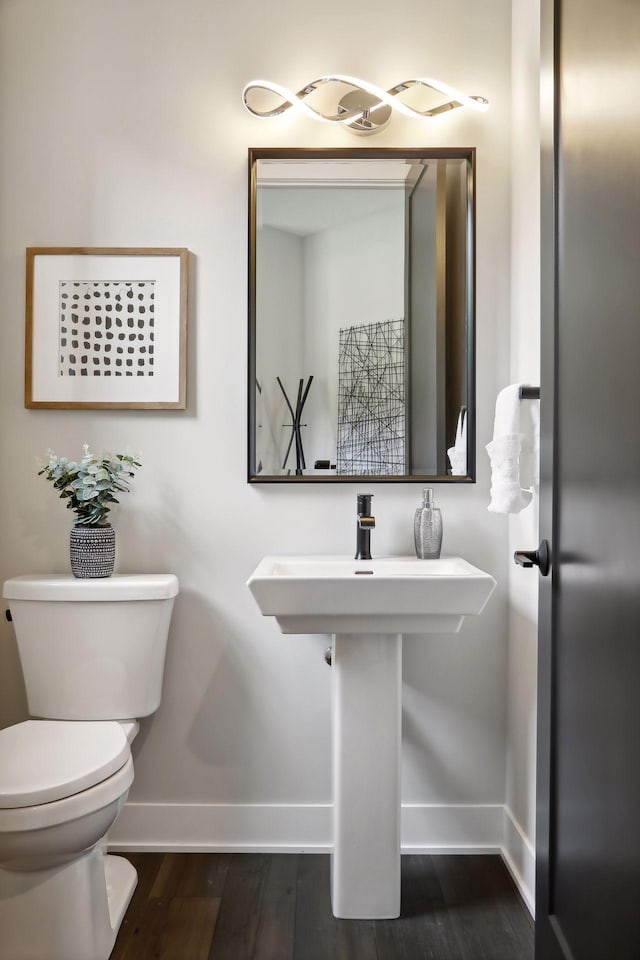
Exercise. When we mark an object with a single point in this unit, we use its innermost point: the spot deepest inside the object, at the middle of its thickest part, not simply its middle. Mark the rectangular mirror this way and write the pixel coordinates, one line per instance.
(361, 315)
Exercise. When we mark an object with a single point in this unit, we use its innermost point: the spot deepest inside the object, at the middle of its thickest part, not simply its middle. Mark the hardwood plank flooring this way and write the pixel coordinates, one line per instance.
(252, 906)
(276, 929)
(318, 934)
(425, 929)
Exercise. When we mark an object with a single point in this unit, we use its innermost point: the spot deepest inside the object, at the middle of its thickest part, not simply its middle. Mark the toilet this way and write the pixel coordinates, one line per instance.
(92, 655)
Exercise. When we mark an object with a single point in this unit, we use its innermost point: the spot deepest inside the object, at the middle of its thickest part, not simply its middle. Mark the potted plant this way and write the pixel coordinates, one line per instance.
(89, 487)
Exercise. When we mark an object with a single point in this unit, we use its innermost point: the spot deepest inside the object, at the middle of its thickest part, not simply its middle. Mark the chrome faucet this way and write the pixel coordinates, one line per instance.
(365, 524)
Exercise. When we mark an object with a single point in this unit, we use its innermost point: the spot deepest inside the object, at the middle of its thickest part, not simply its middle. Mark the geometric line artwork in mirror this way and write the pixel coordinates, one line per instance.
(106, 328)
(371, 399)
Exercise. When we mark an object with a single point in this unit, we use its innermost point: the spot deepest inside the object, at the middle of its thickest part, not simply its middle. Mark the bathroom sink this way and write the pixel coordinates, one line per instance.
(367, 605)
(309, 594)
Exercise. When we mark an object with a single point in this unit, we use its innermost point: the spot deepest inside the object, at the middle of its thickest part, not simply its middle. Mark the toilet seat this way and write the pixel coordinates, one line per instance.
(54, 771)
(46, 760)
(58, 812)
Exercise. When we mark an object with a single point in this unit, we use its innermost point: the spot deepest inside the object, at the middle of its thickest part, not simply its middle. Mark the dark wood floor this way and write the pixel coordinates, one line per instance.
(250, 906)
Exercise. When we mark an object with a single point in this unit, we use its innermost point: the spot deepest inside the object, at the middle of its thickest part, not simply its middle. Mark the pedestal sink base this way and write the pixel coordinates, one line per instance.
(367, 704)
(367, 605)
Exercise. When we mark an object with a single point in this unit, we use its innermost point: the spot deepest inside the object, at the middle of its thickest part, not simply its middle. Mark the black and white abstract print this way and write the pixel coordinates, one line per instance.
(371, 399)
(106, 328)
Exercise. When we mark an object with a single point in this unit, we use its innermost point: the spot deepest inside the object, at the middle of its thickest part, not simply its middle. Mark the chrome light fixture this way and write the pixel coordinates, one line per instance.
(365, 108)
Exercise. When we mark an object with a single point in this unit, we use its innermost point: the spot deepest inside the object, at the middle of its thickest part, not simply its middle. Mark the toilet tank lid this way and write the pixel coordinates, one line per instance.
(46, 760)
(65, 587)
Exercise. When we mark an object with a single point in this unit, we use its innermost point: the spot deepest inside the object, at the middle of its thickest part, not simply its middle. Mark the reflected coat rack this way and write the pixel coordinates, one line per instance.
(296, 424)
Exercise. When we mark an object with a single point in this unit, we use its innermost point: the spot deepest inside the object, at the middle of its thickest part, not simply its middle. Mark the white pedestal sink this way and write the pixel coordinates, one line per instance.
(367, 605)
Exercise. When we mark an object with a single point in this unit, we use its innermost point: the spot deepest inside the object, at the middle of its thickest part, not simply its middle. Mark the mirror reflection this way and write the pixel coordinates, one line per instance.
(361, 315)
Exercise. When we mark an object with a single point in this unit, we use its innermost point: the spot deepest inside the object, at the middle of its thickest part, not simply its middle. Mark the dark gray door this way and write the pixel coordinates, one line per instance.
(588, 830)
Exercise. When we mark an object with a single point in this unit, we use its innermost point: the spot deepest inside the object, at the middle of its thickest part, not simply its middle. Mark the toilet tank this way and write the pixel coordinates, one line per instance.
(92, 649)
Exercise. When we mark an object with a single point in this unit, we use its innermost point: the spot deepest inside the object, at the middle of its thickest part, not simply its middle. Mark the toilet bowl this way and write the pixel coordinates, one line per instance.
(61, 787)
(64, 781)
(62, 784)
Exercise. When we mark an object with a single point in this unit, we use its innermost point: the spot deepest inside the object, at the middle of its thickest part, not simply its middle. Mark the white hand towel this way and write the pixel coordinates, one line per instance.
(458, 452)
(513, 452)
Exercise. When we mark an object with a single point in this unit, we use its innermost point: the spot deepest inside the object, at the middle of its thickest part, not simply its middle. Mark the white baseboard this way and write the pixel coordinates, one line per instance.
(295, 827)
(306, 828)
(223, 827)
(448, 828)
(519, 857)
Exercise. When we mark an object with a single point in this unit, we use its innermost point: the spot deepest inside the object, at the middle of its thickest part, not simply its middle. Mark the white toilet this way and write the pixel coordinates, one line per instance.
(92, 654)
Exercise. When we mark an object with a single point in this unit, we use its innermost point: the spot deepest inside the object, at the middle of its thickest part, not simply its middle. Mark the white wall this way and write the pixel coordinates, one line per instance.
(279, 347)
(354, 274)
(519, 823)
(121, 124)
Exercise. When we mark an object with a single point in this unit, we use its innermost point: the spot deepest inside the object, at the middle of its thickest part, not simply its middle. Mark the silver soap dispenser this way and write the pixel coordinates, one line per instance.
(427, 528)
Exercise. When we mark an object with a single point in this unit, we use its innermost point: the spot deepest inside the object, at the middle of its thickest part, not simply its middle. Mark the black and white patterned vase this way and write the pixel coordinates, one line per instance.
(93, 551)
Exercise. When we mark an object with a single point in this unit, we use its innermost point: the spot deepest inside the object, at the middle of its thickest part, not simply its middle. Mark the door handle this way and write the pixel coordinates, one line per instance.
(535, 558)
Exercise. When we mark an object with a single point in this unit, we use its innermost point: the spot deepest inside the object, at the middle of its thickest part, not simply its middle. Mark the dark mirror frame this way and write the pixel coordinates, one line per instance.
(330, 153)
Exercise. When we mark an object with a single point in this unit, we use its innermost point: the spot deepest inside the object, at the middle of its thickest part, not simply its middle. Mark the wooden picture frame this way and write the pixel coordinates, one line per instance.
(106, 328)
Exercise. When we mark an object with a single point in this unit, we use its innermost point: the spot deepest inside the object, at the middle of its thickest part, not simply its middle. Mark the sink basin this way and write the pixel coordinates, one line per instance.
(367, 605)
(384, 595)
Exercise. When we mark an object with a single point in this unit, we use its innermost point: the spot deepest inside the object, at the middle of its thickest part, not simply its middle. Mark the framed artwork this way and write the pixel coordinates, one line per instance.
(106, 328)
(371, 399)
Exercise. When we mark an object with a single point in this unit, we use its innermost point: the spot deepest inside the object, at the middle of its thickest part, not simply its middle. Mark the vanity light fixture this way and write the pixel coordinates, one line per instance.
(366, 108)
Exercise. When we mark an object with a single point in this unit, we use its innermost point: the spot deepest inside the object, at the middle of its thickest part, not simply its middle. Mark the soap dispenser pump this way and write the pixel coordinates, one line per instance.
(428, 528)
